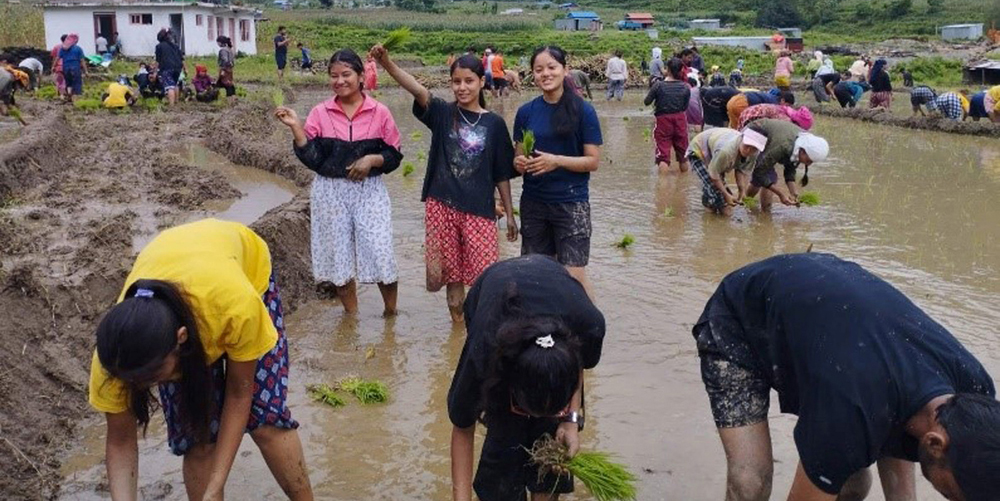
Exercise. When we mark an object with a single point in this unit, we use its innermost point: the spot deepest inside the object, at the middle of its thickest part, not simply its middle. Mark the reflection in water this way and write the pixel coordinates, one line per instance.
(912, 206)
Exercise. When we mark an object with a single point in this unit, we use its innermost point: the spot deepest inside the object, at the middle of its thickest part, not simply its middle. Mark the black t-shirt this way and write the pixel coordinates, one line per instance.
(714, 101)
(280, 50)
(545, 288)
(168, 56)
(852, 356)
(469, 155)
(670, 96)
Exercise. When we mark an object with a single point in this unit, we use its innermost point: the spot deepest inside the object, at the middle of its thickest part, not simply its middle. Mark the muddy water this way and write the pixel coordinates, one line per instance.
(912, 206)
(261, 192)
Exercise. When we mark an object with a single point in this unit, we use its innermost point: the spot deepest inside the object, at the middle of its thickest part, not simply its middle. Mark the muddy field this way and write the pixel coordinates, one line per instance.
(81, 193)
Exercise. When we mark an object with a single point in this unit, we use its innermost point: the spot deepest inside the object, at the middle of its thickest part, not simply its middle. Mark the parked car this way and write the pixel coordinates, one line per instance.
(628, 25)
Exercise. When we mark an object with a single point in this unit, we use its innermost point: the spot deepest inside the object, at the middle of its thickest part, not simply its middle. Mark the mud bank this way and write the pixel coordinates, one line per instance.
(75, 190)
(981, 128)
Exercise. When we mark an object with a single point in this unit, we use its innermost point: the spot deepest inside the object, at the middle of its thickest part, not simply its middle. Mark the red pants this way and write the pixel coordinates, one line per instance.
(671, 132)
(459, 246)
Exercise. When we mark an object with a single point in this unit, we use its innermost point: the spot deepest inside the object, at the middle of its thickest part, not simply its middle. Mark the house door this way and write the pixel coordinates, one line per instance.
(105, 25)
(177, 26)
(232, 31)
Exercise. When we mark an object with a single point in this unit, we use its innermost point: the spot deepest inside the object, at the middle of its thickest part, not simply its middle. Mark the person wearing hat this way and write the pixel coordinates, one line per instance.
(718, 79)
(119, 94)
(870, 376)
(204, 88)
(714, 153)
(789, 146)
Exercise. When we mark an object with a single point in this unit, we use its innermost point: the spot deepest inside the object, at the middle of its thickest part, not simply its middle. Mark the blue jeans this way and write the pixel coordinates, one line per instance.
(616, 89)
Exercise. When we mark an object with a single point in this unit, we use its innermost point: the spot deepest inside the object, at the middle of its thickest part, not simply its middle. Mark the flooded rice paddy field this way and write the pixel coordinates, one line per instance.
(915, 207)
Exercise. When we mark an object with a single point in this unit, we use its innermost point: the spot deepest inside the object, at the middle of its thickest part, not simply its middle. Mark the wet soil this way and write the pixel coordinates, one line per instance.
(882, 204)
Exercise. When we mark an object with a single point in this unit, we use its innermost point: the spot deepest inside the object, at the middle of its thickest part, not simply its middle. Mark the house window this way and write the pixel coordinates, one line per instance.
(220, 28)
(211, 28)
(140, 18)
(244, 30)
(197, 19)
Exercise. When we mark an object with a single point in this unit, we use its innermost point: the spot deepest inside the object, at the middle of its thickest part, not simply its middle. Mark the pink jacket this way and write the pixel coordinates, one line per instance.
(784, 67)
(372, 121)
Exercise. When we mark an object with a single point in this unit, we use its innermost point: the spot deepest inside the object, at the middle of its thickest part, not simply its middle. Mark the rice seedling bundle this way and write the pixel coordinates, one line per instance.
(396, 38)
(324, 394)
(625, 242)
(366, 391)
(528, 142)
(809, 199)
(750, 203)
(15, 113)
(604, 478)
(408, 169)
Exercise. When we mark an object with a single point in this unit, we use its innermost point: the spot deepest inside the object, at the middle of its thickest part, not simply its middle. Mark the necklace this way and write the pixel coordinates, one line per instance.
(479, 116)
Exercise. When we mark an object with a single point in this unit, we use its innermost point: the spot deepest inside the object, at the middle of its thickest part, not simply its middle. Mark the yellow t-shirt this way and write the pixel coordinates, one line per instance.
(994, 94)
(223, 269)
(965, 102)
(116, 96)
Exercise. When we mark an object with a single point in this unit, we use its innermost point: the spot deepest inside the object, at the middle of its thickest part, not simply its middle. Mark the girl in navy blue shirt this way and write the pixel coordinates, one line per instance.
(555, 202)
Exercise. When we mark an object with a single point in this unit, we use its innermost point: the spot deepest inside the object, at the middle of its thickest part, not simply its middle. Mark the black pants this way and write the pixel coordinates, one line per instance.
(505, 470)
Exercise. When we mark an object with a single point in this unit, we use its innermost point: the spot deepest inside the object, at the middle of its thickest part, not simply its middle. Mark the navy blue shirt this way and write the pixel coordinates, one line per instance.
(71, 58)
(560, 185)
(757, 97)
(852, 356)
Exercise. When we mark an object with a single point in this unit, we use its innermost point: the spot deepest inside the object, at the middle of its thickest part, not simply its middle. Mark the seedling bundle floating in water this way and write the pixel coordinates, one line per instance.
(396, 38)
(408, 169)
(605, 479)
(528, 142)
(367, 391)
(625, 242)
(324, 394)
(809, 199)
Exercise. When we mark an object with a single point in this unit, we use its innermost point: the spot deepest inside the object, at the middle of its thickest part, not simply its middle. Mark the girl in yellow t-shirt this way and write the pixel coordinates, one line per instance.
(201, 317)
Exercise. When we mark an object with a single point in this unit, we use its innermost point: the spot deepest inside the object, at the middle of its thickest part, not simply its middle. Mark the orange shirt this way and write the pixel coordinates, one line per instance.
(497, 67)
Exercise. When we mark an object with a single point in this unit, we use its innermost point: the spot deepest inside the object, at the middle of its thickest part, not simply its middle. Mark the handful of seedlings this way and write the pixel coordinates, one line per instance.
(750, 202)
(809, 199)
(324, 394)
(396, 38)
(528, 142)
(368, 391)
(605, 479)
(625, 242)
(408, 169)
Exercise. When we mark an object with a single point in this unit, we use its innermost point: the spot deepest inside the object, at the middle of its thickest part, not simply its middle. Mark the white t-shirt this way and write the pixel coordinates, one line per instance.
(617, 69)
(102, 44)
(31, 64)
(489, 64)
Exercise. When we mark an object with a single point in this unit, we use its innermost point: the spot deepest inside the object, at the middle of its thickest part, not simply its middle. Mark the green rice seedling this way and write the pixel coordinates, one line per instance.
(49, 92)
(647, 134)
(625, 118)
(517, 211)
(668, 212)
(417, 135)
(278, 96)
(87, 104)
(15, 113)
(367, 391)
(324, 394)
(625, 242)
(151, 105)
(809, 198)
(604, 478)
(750, 202)
(422, 157)
(528, 142)
(241, 92)
(408, 169)
(396, 38)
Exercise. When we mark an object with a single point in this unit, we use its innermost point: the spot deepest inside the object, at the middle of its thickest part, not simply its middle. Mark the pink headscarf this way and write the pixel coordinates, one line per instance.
(801, 117)
(71, 40)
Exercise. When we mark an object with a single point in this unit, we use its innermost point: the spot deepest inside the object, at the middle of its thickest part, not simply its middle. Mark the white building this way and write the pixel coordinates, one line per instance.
(137, 23)
(705, 24)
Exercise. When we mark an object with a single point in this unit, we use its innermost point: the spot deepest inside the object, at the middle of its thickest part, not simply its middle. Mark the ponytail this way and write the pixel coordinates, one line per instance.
(135, 338)
(538, 376)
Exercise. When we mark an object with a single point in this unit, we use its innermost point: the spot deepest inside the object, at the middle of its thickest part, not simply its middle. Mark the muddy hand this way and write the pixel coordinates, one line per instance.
(569, 435)
(286, 116)
(541, 163)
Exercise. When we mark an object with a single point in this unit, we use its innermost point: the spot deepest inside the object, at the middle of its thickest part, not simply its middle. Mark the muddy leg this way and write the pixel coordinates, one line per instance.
(197, 469)
(456, 299)
(580, 274)
(898, 479)
(664, 168)
(390, 293)
(766, 199)
(348, 294)
(749, 462)
(282, 451)
(857, 486)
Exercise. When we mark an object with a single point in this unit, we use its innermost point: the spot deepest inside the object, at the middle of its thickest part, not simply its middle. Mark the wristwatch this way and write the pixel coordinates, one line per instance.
(574, 417)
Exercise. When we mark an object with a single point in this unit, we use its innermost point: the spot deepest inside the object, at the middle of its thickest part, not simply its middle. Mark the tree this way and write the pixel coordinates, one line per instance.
(778, 15)
(934, 6)
(417, 5)
(326, 3)
(899, 8)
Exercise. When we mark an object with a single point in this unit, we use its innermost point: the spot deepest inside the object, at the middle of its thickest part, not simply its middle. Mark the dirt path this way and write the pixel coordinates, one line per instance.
(75, 190)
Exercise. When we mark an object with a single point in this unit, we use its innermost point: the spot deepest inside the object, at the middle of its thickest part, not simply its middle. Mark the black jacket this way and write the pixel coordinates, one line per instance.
(330, 157)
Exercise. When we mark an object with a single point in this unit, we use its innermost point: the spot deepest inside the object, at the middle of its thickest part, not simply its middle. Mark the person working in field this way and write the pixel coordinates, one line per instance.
(199, 317)
(714, 153)
(800, 116)
(281, 43)
(952, 105)
(204, 89)
(350, 141)
(714, 101)
(977, 106)
(923, 95)
(871, 377)
(471, 157)
(783, 70)
(617, 74)
(849, 92)
(740, 102)
(789, 146)
(670, 132)
(881, 84)
(531, 332)
(119, 95)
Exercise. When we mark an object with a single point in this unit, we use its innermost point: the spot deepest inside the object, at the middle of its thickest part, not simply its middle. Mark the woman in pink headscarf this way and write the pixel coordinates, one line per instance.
(74, 65)
(57, 72)
(799, 116)
(371, 74)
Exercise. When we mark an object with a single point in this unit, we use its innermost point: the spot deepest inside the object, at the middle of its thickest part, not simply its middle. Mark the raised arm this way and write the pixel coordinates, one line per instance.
(405, 80)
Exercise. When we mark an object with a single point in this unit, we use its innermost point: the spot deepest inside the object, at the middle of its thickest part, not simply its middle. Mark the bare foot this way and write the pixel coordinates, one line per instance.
(664, 167)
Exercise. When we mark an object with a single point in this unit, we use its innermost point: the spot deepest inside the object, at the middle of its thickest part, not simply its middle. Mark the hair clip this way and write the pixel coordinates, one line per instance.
(143, 293)
(545, 341)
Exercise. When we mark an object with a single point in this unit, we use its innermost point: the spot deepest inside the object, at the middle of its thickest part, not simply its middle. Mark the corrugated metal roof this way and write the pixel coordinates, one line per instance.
(583, 14)
(985, 65)
(975, 25)
(638, 15)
